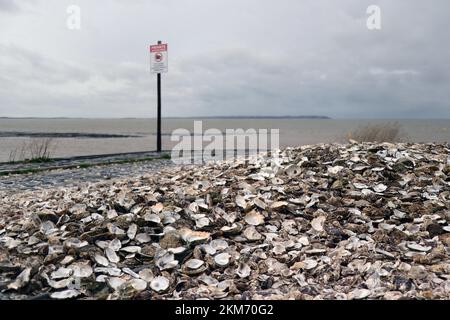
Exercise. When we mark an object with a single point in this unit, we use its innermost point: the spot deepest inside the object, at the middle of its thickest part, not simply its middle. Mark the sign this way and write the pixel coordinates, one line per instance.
(159, 58)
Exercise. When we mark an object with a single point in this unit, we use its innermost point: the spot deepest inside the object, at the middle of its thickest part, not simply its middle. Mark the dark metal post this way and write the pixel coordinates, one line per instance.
(158, 142)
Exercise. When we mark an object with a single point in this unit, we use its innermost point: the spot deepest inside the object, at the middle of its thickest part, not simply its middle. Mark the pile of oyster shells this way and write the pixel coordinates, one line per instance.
(356, 221)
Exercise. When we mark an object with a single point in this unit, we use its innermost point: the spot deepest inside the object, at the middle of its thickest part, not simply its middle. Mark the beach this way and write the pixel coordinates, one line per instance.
(326, 221)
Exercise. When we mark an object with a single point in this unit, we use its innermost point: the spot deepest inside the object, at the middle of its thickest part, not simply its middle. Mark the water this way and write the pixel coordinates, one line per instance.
(139, 134)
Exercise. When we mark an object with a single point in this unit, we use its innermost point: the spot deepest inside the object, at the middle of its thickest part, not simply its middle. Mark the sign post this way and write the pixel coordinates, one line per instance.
(159, 64)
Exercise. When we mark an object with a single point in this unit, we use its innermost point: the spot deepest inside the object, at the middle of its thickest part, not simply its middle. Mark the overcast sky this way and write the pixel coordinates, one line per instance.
(227, 57)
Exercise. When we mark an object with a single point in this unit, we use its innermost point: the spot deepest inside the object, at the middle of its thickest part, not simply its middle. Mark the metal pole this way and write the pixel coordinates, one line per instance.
(158, 143)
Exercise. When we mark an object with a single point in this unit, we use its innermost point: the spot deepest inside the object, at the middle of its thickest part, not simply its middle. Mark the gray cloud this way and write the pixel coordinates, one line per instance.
(8, 5)
(227, 58)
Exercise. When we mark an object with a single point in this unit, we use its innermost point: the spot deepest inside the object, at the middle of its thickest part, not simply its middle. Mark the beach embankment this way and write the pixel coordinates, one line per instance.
(328, 221)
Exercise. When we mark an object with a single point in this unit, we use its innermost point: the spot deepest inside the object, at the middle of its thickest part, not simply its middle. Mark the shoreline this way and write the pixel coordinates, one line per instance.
(328, 221)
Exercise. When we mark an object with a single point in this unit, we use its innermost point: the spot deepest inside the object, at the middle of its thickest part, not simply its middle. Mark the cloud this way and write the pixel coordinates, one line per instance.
(227, 58)
(8, 5)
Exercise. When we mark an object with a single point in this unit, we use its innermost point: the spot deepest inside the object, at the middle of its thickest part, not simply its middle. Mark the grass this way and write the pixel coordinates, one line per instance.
(34, 151)
(384, 132)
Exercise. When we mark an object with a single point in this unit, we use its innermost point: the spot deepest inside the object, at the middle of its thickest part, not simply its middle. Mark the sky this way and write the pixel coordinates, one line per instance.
(226, 57)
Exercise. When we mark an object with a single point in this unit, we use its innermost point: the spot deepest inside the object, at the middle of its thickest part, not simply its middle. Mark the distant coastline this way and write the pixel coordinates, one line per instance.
(190, 117)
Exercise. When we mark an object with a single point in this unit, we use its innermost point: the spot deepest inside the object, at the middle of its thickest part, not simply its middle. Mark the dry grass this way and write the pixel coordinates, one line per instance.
(36, 150)
(385, 132)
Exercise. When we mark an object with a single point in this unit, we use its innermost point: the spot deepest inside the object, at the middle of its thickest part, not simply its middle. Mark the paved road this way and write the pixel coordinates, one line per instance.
(76, 176)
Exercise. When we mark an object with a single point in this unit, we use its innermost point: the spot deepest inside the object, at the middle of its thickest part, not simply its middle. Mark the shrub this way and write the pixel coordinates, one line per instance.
(384, 132)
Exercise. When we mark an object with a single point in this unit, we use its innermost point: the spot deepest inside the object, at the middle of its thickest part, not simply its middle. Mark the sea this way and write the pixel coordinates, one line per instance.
(84, 137)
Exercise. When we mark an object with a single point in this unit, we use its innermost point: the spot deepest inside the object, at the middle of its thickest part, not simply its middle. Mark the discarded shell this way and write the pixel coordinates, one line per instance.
(22, 279)
(418, 247)
(380, 188)
(143, 238)
(194, 264)
(138, 284)
(243, 270)
(318, 223)
(222, 259)
(146, 275)
(116, 283)
(81, 270)
(219, 244)
(194, 267)
(254, 218)
(112, 256)
(131, 233)
(131, 249)
(194, 236)
(278, 205)
(359, 294)
(251, 234)
(61, 273)
(235, 228)
(167, 261)
(66, 294)
(101, 260)
(159, 284)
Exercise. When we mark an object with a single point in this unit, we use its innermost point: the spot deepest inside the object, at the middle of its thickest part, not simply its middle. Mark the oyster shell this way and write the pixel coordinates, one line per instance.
(66, 294)
(222, 259)
(159, 284)
(254, 218)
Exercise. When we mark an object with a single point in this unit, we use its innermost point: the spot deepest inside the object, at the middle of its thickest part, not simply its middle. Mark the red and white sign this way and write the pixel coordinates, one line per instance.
(159, 58)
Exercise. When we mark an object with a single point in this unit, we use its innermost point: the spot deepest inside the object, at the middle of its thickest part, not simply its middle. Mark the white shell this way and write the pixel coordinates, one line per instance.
(146, 274)
(66, 294)
(202, 222)
(131, 249)
(167, 261)
(335, 170)
(194, 236)
(293, 171)
(131, 233)
(159, 284)
(111, 255)
(115, 283)
(101, 260)
(150, 217)
(278, 205)
(61, 273)
(254, 218)
(222, 259)
(115, 245)
(81, 270)
(251, 234)
(380, 188)
(318, 223)
(194, 264)
(143, 238)
(241, 202)
(359, 294)
(22, 279)
(243, 270)
(418, 247)
(310, 264)
(219, 244)
(138, 284)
